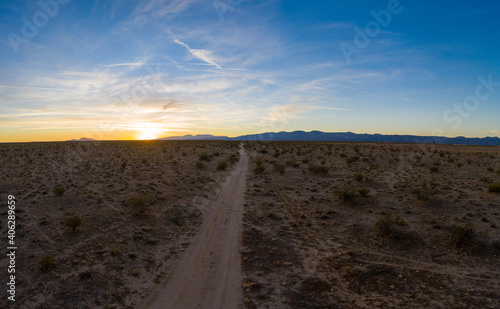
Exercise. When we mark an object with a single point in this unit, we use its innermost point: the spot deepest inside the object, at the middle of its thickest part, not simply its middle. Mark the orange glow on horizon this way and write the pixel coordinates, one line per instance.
(149, 131)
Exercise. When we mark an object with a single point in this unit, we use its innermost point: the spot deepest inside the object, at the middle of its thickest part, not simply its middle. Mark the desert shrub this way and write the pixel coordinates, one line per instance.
(352, 159)
(73, 222)
(358, 177)
(204, 157)
(200, 165)
(179, 214)
(434, 168)
(87, 166)
(318, 169)
(462, 235)
(387, 224)
(290, 162)
(222, 165)
(47, 262)
(490, 169)
(305, 161)
(347, 195)
(280, 168)
(363, 192)
(124, 164)
(59, 190)
(138, 204)
(494, 187)
(425, 194)
(259, 169)
(343, 155)
(233, 158)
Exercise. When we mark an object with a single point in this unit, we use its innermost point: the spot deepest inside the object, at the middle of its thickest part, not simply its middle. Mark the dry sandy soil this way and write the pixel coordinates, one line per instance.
(323, 225)
(314, 234)
(117, 255)
(209, 274)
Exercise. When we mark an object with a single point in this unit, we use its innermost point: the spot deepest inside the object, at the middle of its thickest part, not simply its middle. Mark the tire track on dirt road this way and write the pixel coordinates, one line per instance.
(209, 273)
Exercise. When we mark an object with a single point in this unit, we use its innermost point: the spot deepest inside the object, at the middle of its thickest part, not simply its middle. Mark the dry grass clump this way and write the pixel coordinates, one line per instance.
(387, 224)
(463, 235)
(318, 169)
(233, 158)
(280, 168)
(494, 187)
(348, 194)
(73, 222)
(426, 193)
(200, 165)
(358, 177)
(59, 190)
(47, 262)
(222, 165)
(138, 204)
(259, 169)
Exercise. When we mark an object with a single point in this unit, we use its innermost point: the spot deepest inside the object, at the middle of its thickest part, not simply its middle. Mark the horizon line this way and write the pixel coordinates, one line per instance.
(82, 139)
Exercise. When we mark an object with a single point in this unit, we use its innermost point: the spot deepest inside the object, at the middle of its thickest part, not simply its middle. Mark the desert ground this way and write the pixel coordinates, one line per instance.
(342, 225)
(271, 225)
(139, 203)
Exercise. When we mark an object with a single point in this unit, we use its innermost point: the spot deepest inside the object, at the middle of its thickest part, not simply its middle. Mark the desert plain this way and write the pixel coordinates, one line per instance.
(318, 225)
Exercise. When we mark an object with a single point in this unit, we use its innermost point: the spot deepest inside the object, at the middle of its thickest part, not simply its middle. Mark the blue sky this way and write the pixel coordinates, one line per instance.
(112, 69)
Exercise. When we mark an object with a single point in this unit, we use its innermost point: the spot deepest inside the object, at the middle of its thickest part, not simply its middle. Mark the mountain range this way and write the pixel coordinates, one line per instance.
(346, 137)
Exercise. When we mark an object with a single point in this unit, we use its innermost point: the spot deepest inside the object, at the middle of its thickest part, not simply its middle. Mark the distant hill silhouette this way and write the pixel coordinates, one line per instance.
(194, 137)
(347, 137)
(83, 139)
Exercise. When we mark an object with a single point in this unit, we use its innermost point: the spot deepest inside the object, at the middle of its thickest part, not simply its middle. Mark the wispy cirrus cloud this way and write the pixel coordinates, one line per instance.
(200, 54)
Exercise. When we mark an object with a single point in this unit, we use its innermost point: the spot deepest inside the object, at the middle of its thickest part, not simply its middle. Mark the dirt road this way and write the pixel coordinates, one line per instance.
(209, 273)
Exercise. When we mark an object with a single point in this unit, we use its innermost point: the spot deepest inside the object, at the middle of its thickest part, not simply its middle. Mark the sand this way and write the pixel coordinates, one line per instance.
(209, 273)
(270, 230)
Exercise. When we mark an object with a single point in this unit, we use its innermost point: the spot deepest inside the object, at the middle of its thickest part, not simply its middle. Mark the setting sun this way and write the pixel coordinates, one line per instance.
(150, 131)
